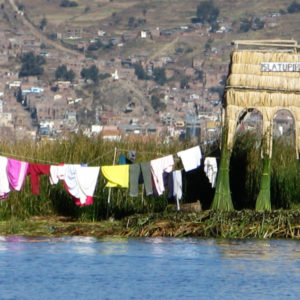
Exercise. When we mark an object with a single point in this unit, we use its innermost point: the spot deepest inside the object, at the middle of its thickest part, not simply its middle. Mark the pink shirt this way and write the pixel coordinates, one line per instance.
(16, 173)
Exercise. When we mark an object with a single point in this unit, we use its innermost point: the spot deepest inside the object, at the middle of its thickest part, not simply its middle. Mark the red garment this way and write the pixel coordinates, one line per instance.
(89, 199)
(34, 170)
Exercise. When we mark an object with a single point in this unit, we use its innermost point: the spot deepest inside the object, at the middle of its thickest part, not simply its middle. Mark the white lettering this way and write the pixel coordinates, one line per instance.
(279, 67)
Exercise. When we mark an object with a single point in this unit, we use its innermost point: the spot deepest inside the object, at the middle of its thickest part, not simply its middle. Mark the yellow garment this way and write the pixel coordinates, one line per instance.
(117, 176)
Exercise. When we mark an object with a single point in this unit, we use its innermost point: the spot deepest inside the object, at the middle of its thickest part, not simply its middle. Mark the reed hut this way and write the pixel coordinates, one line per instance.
(264, 75)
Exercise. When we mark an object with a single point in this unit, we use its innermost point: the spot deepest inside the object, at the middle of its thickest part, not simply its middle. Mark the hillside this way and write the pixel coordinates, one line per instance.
(182, 60)
(114, 17)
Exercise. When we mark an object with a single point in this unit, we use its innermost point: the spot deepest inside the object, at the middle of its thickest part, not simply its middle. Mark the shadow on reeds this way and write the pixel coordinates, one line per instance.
(246, 170)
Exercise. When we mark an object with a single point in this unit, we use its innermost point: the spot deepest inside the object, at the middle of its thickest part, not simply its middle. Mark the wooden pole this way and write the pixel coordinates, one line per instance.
(109, 191)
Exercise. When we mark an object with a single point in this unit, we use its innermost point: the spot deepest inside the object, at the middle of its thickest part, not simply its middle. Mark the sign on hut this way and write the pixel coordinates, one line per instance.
(265, 76)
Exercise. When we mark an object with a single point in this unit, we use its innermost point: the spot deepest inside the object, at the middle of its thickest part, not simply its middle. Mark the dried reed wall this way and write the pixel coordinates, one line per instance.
(246, 71)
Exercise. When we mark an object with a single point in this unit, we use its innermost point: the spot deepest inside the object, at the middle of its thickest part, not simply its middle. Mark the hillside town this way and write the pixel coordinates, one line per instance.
(145, 94)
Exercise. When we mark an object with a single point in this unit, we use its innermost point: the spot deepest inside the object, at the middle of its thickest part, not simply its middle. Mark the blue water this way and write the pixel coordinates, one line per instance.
(154, 268)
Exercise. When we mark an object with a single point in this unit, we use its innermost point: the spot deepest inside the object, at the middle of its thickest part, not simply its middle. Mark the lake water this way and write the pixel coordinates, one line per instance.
(153, 268)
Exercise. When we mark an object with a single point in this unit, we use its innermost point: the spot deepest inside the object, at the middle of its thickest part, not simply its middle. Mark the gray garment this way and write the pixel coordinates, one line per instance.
(134, 174)
(147, 176)
(137, 172)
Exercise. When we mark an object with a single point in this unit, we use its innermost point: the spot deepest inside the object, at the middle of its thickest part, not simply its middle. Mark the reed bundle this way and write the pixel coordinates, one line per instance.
(248, 98)
(222, 199)
(264, 82)
(263, 202)
(246, 71)
(256, 57)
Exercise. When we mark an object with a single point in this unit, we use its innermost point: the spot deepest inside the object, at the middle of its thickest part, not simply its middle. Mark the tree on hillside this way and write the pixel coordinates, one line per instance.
(21, 6)
(63, 74)
(184, 82)
(91, 73)
(157, 104)
(254, 23)
(257, 24)
(217, 89)
(67, 3)
(70, 76)
(207, 12)
(140, 72)
(60, 72)
(245, 25)
(43, 23)
(159, 75)
(294, 8)
(131, 21)
(32, 65)
(200, 75)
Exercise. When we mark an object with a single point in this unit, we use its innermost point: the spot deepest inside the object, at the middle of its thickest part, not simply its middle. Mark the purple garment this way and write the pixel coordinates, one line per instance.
(16, 173)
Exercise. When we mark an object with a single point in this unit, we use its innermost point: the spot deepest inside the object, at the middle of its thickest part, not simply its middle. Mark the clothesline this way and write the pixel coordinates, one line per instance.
(27, 158)
(99, 157)
(158, 153)
(145, 152)
(80, 180)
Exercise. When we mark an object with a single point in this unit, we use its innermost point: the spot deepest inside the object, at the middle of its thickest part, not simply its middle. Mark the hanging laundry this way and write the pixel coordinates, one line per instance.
(211, 170)
(158, 167)
(79, 181)
(16, 173)
(35, 170)
(140, 173)
(86, 178)
(168, 184)
(117, 176)
(123, 160)
(132, 154)
(147, 177)
(177, 190)
(57, 173)
(191, 158)
(4, 183)
(70, 183)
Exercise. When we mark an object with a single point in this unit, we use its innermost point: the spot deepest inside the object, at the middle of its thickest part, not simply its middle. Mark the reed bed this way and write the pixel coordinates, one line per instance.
(206, 224)
(77, 149)
(215, 224)
(245, 170)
